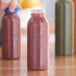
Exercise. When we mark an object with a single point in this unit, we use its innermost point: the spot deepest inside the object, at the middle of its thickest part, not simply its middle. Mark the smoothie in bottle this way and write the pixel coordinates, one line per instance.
(11, 35)
(37, 41)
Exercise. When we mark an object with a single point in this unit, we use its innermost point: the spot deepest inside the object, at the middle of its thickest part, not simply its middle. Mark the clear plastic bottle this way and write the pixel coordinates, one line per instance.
(64, 27)
(37, 41)
(11, 35)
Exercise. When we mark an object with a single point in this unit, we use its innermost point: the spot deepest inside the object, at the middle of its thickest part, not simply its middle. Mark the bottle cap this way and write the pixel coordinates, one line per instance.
(38, 12)
(14, 11)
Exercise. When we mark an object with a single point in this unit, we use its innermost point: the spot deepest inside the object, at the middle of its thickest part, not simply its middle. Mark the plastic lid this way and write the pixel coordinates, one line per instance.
(38, 12)
(14, 11)
(41, 11)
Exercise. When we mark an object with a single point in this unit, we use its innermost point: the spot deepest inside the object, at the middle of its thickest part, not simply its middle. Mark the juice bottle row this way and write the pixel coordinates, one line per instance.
(38, 35)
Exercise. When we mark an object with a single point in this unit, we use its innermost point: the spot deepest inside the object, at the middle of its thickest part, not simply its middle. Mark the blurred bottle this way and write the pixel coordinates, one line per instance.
(30, 3)
(64, 27)
(11, 35)
(37, 41)
(1, 15)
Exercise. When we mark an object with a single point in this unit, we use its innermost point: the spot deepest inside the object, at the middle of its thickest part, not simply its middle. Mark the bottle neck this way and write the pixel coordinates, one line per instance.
(38, 13)
(13, 12)
(10, 13)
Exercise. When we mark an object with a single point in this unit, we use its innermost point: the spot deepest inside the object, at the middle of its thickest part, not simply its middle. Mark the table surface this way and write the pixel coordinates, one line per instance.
(58, 65)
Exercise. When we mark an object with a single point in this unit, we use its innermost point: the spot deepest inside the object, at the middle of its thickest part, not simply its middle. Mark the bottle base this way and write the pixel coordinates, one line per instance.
(10, 58)
(37, 69)
(64, 54)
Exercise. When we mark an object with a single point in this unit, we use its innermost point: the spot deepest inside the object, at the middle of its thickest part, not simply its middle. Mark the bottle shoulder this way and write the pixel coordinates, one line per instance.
(10, 16)
(33, 21)
(64, 2)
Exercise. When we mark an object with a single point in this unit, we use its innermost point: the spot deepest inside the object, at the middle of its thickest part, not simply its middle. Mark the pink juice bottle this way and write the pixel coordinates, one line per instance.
(37, 41)
(11, 35)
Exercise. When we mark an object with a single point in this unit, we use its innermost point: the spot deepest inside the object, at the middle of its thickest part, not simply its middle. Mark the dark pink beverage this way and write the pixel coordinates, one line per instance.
(11, 36)
(37, 44)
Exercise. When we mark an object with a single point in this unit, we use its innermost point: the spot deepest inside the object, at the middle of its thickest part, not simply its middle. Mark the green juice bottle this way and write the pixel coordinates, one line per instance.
(64, 27)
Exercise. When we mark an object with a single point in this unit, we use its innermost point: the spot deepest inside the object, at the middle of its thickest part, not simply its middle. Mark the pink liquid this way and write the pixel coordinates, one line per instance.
(37, 42)
(11, 36)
